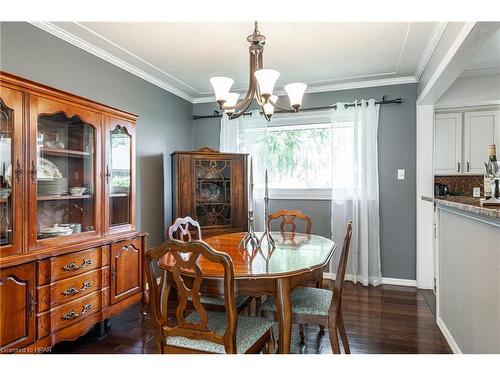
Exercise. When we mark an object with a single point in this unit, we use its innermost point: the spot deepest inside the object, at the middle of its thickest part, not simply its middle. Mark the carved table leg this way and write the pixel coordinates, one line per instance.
(284, 314)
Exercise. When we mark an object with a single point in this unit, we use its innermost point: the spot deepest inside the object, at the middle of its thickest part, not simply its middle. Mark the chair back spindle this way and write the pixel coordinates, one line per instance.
(287, 219)
(182, 225)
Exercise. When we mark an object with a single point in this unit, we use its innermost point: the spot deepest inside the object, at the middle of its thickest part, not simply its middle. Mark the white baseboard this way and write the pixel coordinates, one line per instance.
(402, 282)
(448, 337)
(385, 280)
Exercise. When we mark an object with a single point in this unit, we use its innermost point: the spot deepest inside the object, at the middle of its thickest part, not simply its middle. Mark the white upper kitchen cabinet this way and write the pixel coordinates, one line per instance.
(448, 144)
(481, 129)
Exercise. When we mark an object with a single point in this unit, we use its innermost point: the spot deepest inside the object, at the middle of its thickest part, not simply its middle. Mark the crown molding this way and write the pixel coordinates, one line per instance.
(477, 72)
(436, 35)
(337, 87)
(60, 33)
(106, 56)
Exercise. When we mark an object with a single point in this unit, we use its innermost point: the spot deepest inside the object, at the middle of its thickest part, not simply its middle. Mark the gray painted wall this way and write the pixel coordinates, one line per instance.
(164, 123)
(397, 149)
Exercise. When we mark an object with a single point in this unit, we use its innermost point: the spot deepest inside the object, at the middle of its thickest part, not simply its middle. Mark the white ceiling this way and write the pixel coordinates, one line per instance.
(181, 57)
(487, 59)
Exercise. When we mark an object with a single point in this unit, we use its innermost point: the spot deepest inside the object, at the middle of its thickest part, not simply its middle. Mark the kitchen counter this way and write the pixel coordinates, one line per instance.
(467, 246)
(467, 204)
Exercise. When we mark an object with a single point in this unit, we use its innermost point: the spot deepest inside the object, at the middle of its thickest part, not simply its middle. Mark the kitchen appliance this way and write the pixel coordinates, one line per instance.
(440, 190)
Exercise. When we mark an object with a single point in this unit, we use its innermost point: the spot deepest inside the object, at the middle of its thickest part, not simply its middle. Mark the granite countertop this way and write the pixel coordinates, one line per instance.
(468, 204)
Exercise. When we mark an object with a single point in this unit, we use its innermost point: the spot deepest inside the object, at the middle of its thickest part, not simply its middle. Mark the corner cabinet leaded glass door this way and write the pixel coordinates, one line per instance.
(118, 175)
(11, 171)
(64, 191)
(211, 187)
(213, 192)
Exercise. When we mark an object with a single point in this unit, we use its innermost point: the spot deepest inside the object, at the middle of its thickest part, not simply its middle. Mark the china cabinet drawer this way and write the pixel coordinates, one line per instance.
(67, 290)
(69, 265)
(75, 311)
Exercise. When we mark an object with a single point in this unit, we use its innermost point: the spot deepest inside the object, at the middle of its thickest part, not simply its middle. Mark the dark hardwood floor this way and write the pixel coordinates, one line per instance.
(383, 319)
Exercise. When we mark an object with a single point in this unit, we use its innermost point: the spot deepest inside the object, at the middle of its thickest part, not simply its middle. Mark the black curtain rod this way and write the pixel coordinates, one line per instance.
(383, 101)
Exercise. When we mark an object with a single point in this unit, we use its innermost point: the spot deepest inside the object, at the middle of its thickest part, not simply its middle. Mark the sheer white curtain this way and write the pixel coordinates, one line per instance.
(247, 134)
(355, 193)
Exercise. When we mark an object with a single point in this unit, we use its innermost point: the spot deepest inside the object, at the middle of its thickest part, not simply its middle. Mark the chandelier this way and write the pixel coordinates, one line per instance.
(261, 85)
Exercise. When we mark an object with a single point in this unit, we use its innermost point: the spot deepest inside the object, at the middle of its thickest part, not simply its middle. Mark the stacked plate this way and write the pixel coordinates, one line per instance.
(52, 186)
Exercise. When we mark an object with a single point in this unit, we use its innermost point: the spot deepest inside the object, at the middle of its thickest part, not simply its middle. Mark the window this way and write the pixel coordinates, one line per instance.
(300, 157)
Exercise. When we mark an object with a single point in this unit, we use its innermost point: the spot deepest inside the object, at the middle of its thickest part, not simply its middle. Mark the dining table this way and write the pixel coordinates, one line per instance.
(297, 260)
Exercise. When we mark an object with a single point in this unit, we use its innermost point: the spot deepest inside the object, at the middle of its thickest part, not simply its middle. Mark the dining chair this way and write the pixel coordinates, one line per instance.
(288, 230)
(184, 228)
(321, 306)
(288, 219)
(201, 331)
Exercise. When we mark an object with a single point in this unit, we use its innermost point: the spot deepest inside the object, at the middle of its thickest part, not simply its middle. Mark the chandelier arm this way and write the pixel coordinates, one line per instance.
(241, 112)
(278, 107)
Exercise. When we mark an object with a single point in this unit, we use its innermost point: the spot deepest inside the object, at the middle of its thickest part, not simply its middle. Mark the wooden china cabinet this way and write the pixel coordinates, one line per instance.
(211, 187)
(70, 255)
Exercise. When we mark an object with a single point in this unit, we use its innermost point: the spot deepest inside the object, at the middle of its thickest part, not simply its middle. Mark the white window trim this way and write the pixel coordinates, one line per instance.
(301, 194)
(317, 120)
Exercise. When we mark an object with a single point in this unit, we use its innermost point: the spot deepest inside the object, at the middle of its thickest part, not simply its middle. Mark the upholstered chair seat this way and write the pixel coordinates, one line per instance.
(249, 331)
(305, 301)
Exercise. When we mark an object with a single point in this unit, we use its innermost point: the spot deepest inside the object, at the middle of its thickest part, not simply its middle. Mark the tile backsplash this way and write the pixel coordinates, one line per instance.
(461, 185)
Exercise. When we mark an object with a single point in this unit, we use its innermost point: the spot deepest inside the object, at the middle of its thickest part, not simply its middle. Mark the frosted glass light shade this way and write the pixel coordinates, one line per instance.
(231, 100)
(266, 78)
(295, 93)
(268, 107)
(221, 86)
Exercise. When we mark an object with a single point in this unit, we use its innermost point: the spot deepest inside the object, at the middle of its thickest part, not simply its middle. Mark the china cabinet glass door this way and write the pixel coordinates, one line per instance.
(213, 192)
(11, 172)
(118, 174)
(63, 169)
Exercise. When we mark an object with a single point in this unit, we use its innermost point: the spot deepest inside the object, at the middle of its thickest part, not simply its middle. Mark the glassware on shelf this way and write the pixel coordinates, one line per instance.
(63, 161)
(213, 192)
(118, 174)
(6, 157)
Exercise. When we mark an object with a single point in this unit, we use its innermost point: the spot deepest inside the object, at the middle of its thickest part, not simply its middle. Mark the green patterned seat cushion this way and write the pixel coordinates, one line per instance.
(249, 330)
(240, 300)
(305, 301)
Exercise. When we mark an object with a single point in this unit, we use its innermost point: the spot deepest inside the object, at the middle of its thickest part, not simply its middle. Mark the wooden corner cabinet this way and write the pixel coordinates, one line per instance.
(70, 255)
(211, 187)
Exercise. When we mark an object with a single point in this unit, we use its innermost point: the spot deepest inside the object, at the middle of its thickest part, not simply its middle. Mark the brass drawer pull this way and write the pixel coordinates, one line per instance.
(73, 267)
(72, 290)
(73, 315)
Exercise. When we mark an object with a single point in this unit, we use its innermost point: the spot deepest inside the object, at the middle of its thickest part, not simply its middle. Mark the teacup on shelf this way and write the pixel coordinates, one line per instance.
(78, 190)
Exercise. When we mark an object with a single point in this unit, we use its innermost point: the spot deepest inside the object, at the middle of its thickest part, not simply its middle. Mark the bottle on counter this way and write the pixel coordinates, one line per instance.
(492, 157)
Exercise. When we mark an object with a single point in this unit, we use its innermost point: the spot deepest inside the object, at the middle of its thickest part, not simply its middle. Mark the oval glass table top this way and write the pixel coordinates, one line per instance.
(293, 254)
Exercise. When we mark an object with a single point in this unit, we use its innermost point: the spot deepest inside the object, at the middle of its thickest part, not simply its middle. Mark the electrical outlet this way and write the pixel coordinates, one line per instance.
(401, 174)
(476, 192)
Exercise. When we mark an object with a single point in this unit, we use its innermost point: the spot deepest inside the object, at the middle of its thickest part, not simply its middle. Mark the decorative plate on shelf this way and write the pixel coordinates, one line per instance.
(209, 192)
(55, 231)
(47, 169)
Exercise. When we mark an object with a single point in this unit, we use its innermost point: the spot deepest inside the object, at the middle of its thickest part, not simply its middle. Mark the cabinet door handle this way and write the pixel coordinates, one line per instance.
(19, 171)
(32, 303)
(73, 267)
(33, 172)
(113, 272)
(458, 167)
(73, 315)
(108, 174)
(468, 166)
